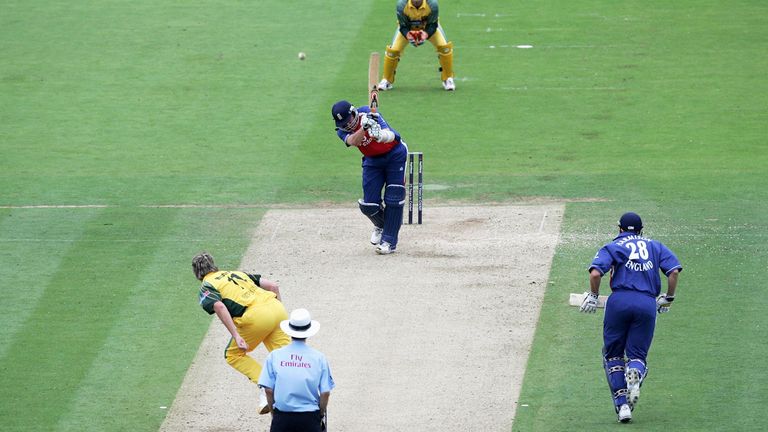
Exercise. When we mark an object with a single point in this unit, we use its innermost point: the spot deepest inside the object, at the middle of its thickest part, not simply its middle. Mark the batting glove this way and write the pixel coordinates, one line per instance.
(367, 121)
(663, 302)
(589, 304)
(372, 127)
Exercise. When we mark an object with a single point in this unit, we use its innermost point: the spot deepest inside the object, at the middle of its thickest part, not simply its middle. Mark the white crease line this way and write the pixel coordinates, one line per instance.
(564, 88)
(584, 46)
(572, 46)
(45, 206)
(39, 240)
(201, 206)
(161, 206)
(488, 29)
(274, 233)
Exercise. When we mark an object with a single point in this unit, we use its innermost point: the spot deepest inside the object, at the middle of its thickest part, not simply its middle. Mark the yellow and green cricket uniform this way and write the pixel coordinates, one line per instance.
(424, 18)
(257, 314)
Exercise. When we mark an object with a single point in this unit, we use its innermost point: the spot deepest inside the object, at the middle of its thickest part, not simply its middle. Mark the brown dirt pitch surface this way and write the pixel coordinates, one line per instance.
(432, 338)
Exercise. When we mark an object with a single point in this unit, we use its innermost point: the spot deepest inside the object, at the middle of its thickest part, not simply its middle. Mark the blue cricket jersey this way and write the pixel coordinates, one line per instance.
(635, 263)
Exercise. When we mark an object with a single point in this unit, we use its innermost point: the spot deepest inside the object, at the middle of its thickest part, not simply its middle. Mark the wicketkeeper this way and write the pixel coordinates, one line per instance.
(630, 311)
(417, 23)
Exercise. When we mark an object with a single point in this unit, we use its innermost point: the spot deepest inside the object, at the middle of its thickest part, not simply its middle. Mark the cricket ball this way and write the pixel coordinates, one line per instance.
(302, 56)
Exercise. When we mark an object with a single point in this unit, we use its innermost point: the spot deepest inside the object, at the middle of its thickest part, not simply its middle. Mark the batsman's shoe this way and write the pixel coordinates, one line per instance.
(385, 249)
(376, 235)
(385, 85)
(625, 414)
(263, 404)
(449, 85)
(633, 385)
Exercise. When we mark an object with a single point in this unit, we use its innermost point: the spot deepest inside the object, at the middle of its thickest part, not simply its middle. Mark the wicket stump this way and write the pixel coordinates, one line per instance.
(420, 193)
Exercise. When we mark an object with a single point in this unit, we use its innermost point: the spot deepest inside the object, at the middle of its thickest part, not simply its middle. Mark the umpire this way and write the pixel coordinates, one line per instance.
(297, 379)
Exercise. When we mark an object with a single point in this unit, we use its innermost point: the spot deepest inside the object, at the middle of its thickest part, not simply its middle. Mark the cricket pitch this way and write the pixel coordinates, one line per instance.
(432, 338)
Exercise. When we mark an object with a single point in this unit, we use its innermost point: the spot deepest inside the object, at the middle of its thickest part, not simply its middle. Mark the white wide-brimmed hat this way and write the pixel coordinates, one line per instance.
(300, 325)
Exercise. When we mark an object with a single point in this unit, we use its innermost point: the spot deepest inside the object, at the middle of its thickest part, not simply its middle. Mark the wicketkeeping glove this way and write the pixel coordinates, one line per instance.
(589, 304)
(416, 37)
(663, 302)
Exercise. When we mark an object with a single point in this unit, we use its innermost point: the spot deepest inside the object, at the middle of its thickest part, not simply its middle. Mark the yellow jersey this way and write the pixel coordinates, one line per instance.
(424, 17)
(237, 290)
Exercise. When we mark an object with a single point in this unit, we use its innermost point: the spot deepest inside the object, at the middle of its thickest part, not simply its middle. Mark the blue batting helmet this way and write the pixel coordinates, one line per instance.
(631, 222)
(344, 113)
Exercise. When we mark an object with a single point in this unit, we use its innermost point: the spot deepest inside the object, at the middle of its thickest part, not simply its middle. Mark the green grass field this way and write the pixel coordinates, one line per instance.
(128, 107)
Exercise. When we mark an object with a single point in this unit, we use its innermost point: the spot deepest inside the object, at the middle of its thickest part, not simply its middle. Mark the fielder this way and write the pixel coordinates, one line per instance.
(630, 311)
(418, 22)
(384, 157)
(249, 307)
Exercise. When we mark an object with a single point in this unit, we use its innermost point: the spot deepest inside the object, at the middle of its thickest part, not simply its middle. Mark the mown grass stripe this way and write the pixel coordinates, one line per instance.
(29, 265)
(55, 348)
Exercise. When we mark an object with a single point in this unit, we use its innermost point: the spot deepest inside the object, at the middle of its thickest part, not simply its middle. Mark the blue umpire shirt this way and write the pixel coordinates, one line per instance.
(636, 262)
(297, 374)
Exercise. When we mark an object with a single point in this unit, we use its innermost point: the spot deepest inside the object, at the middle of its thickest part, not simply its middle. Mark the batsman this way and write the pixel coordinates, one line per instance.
(635, 263)
(384, 157)
(418, 22)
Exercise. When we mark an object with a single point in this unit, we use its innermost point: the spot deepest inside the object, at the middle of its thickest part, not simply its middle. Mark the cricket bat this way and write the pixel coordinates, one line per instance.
(576, 299)
(373, 81)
